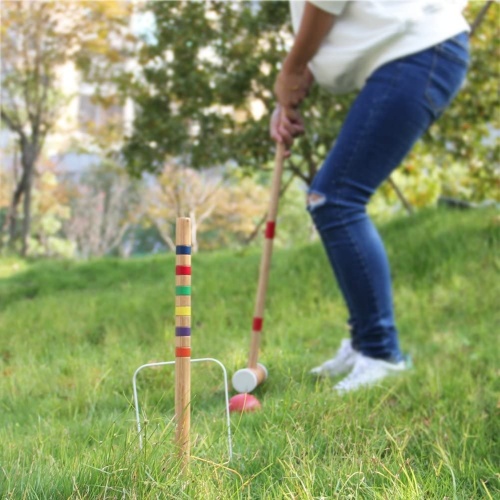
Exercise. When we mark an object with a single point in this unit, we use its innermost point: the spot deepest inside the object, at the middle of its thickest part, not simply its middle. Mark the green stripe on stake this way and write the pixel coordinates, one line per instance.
(182, 290)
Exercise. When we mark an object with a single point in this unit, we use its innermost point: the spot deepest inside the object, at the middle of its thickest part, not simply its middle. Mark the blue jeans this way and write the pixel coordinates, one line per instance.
(395, 107)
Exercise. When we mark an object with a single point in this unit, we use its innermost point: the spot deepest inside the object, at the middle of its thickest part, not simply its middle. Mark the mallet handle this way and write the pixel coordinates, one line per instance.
(183, 338)
(265, 263)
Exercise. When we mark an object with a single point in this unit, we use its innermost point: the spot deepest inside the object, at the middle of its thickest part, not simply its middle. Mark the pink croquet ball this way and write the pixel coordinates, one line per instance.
(244, 403)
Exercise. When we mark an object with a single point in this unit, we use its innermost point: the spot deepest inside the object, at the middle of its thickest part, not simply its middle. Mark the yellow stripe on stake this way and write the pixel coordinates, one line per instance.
(183, 311)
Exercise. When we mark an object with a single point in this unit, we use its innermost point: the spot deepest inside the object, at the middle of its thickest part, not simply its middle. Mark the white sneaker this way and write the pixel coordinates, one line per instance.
(341, 363)
(368, 371)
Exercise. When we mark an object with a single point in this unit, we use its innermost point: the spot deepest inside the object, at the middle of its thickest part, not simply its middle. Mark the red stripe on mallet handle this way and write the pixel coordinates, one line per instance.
(270, 230)
(183, 356)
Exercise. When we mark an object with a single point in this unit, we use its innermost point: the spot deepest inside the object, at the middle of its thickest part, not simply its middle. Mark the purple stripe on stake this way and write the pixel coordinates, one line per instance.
(182, 331)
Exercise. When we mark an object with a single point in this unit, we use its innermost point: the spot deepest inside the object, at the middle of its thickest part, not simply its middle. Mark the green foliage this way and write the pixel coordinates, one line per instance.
(467, 136)
(208, 63)
(71, 336)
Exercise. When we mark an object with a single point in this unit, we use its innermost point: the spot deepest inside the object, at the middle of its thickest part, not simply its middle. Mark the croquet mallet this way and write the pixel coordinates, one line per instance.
(247, 379)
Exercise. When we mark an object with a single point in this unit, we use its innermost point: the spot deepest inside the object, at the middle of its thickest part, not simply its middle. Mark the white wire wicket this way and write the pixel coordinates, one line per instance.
(163, 363)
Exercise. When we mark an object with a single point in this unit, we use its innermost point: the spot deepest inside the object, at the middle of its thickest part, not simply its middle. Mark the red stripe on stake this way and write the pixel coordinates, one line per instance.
(183, 270)
(183, 352)
(257, 324)
(270, 230)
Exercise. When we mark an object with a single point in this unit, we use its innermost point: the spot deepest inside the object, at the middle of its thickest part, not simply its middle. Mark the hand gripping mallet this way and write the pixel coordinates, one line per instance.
(247, 379)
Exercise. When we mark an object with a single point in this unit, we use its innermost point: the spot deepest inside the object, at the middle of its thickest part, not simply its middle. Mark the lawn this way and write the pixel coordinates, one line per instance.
(72, 334)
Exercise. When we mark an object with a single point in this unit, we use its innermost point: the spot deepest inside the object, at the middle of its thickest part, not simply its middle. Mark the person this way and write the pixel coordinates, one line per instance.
(407, 60)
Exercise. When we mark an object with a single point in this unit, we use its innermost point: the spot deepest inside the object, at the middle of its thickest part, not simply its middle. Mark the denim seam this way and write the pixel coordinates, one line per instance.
(448, 54)
(436, 111)
(337, 273)
(451, 57)
(365, 271)
(344, 288)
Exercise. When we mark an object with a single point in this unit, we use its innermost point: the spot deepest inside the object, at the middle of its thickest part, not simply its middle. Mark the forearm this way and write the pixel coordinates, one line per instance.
(314, 26)
(294, 80)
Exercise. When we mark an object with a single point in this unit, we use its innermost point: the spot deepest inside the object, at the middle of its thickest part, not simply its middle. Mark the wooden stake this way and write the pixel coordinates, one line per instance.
(183, 339)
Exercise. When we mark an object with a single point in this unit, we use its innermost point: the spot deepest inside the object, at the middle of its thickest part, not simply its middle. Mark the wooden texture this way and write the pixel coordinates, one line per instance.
(183, 364)
(183, 260)
(182, 300)
(265, 263)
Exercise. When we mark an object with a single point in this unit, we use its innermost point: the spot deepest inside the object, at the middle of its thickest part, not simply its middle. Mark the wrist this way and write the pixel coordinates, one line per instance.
(293, 64)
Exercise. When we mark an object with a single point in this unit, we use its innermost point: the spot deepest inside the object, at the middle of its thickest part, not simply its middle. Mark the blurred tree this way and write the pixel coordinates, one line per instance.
(105, 204)
(182, 191)
(37, 40)
(240, 205)
(7, 181)
(203, 93)
(222, 211)
(50, 210)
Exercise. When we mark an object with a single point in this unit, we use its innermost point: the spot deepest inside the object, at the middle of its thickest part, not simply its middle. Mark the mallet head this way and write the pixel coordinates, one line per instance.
(247, 379)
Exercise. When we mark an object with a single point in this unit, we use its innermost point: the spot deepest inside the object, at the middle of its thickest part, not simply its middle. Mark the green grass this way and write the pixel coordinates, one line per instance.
(72, 334)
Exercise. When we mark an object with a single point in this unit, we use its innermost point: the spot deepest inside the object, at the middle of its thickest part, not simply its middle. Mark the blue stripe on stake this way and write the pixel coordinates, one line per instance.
(182, 331)
(183, 250)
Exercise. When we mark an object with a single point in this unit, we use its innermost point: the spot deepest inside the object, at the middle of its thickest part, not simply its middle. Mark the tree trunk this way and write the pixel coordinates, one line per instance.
(29, 155)
(12, 220)
(26, 213)
(479, 19)
(13, 210)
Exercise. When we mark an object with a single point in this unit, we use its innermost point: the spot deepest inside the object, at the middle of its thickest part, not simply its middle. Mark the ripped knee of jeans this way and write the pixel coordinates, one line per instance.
(315, 199)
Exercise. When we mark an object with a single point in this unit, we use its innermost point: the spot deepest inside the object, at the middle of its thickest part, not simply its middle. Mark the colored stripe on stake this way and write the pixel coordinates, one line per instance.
(183, 270)
(183, 352)
(270, 230)
(257, 324)
(182, 331)
(183, 250)
(182, 290)
(183, 311)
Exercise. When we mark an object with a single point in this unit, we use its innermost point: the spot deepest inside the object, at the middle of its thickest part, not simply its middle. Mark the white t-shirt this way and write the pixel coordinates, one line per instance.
(370, 33)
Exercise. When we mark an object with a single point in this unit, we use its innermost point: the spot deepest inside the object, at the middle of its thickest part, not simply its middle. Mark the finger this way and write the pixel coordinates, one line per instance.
(276, 138)
(286, 136)
(294, 121)
(282, 130)
(297, 130)
(297, 127)
(287, 130)
(290, 113)
(274, 132)
(293, 124)
(274, 125)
